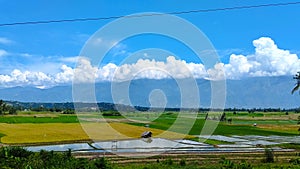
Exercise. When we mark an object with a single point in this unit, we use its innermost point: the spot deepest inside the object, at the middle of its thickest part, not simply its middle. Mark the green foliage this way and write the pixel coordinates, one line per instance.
(288, 146)
(6, 109)
(17, 157)
(216, 142)
(245, 165)
(235, 114)
(69, 111)
(102, 163)
(12, 111)
(269, 156)
(182, 162)
(228, 164)
(13, 152)
(295, 161)
(168, 161)
(111, 113)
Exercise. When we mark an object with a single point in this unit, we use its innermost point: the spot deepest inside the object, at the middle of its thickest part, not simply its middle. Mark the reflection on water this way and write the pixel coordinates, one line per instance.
(138, 145)
(240, 144)
(60, 147)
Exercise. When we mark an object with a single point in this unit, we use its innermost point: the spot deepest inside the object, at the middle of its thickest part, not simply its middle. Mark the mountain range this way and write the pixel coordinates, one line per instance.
(258, 92)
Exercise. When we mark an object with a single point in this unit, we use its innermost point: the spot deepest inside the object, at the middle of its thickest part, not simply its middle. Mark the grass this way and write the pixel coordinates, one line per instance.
(208, 161)
(271, 122)
(53, 127)
(39, 119)
(211, 141)
(1, 135)
(29, 133)
(287, 145)
(254, 114)
(239, 127)
(225, 129)
(216, 142)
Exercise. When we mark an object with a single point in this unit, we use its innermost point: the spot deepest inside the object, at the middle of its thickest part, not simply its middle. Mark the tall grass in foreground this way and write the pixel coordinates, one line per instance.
(17, 157)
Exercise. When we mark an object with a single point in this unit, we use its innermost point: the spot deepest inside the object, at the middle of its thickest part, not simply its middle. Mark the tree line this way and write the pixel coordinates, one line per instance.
(6, 108)
(17, 157)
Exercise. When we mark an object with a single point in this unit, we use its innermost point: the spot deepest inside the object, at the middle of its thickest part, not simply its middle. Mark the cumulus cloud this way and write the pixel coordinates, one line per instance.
(268, 60)
(66, 76)
(152, 69)
(84, 72)
(106, 73)
(19, 78)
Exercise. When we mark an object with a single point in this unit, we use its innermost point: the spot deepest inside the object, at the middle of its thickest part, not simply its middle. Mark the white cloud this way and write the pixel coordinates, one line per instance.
(268, 60)
(3, 52)
(69, 59)
(19, 78)
(216, 73)
(66, 76)
(106, 73)
(5, 41)
(152, 69)
(85, 72)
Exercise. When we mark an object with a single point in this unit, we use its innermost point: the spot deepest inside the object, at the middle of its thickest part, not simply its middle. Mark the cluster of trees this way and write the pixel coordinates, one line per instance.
(54, 109)
(221, 117)
(6, 109)
(111, 113)
(297, 110)
(16, 157)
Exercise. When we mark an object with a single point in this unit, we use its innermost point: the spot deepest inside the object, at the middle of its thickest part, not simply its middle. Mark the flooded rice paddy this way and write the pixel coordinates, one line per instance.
(248, 143)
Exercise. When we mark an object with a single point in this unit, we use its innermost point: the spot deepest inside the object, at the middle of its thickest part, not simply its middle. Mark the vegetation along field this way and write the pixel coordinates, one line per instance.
(29, 127)
(54, 127)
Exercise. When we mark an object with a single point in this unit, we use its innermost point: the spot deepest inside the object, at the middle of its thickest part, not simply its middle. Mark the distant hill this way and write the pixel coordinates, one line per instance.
(259, 92)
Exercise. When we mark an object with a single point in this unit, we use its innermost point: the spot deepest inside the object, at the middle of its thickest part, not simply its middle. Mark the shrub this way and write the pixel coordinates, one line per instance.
(269, 156)
(69, 111)
(226, 163)
(168, 161)
(111, 113)
(245, 165)
(295, 161)
(102, 163)
(13, 152)
(182, 162)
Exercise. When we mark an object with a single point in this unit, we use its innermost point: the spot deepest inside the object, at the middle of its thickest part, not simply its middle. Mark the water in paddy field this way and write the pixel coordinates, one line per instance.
(238, 144)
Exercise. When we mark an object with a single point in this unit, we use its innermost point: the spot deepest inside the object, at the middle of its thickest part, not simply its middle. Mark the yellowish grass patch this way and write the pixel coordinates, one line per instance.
(41, 133)
(111, 131)
(288, 128)
(68, 132)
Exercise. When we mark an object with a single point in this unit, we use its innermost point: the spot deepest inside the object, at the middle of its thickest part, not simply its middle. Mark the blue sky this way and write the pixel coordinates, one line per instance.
(45, 54)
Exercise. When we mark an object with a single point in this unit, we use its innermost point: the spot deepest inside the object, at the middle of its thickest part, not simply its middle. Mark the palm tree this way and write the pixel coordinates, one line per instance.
(297, 77)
